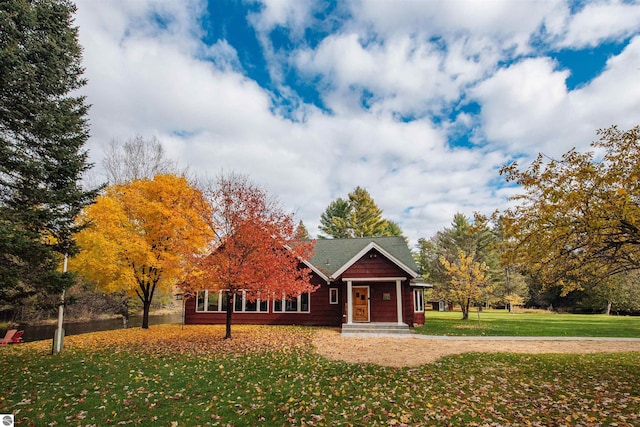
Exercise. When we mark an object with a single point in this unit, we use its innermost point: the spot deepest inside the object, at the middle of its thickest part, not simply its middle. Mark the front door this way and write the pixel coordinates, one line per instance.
(360, 296)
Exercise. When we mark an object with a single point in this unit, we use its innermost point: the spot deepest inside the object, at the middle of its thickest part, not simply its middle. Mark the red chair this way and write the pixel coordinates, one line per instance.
(8, 336)
(17, 338)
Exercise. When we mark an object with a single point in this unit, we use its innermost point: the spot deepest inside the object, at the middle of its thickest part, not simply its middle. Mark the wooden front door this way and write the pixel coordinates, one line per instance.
(360, 304)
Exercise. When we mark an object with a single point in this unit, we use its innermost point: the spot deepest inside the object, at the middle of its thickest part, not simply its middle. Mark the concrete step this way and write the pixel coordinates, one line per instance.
(375, 329)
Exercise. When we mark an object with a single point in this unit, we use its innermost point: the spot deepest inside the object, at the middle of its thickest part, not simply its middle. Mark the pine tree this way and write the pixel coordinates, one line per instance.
(357, 216)
(365, 216)
(42, 133)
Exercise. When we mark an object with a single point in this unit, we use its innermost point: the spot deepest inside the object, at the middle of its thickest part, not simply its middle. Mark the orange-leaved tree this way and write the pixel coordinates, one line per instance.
(145, 235)
(256, 248)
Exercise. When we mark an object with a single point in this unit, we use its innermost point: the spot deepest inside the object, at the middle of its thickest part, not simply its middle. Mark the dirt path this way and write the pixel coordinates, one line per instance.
(399, 352)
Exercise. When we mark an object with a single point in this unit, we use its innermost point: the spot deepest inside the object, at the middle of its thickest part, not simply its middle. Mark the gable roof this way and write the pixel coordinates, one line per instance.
(333, 256)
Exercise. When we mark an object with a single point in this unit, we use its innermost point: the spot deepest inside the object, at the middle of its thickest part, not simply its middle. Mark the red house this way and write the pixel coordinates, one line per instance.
(363, 282)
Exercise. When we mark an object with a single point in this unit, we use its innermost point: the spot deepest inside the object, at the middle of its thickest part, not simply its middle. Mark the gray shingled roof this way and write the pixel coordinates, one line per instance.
(331, 254)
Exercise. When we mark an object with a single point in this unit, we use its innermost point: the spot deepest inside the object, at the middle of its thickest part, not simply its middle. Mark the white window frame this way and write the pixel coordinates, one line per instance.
(418, 300)
(244, 304)
(283, 305)
(333, 296)
(206, 302)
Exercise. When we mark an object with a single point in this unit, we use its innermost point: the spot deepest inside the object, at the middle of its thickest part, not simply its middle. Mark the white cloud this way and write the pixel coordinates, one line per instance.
(150, 73)
(507, 22)
(522, 104)
(527, 108)
(601, 21)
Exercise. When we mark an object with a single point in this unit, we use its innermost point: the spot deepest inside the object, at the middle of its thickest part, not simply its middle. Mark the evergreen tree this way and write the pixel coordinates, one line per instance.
(357, 216)
(302, 233)
(335, 219)
(42, 133)
(365, 217)
(475, 241)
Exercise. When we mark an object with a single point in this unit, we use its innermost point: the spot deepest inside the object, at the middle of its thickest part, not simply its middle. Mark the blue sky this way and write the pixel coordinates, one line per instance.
(419, 102)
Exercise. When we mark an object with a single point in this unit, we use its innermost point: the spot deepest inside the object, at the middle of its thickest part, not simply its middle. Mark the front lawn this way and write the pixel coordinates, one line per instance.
(270, 376)
(502, 323)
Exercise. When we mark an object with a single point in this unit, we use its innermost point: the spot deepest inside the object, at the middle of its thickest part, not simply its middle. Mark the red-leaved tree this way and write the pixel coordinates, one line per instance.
(256, 249)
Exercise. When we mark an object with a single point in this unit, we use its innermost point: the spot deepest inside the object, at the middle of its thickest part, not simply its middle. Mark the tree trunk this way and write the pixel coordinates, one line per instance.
(146, 306)
(608, 309)
(229, 297)
(465, 310)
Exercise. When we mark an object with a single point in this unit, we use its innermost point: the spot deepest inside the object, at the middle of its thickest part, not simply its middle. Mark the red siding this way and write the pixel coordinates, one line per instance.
(383, 310)
(321, 312)
(372, 265)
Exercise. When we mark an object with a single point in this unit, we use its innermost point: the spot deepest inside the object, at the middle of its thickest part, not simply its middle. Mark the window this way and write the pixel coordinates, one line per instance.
(299, 304)
(333, 295)
(418, 300)
(242, 304)
(211, 301)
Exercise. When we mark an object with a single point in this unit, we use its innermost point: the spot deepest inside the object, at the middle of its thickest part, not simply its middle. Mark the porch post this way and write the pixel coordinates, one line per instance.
(399, 300)
(349, 303)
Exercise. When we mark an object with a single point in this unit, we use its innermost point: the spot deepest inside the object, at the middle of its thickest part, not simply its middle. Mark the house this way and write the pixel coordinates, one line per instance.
(367, 280)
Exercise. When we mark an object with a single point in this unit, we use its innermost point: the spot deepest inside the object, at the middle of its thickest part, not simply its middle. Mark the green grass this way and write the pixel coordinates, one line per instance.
(134, 385)
(502, 323)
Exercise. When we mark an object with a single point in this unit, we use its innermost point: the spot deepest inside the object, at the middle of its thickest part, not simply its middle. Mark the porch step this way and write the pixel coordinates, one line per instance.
(376, 329)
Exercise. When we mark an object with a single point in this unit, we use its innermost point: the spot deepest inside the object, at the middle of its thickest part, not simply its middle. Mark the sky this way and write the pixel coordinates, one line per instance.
(419, 102)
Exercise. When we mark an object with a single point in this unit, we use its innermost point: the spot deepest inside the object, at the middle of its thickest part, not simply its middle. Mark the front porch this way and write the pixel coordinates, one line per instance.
(377, 329)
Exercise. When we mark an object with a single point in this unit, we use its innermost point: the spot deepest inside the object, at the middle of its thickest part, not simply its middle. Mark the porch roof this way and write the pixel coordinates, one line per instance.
(332, 255)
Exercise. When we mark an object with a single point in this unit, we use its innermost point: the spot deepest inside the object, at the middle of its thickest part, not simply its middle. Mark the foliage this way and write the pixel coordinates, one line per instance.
(467, 281)
(43, 128)
(619, 293)
(145, 235)
(270, 376)
(256, 248)
(302, 233)
(135, 159)
(359, 216)
(476, 239)
(578, 219)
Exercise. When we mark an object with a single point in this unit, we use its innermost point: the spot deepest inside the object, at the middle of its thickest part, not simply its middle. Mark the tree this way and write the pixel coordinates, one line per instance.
(578, 218)
(302, 233)
(136, 158)
(43, 128)
(145, 236)
(334, 221)
(467, 281)
(474, 238)
(618, 293)
(256, 248)
(125, 162)
(365, 216)
(359, 216)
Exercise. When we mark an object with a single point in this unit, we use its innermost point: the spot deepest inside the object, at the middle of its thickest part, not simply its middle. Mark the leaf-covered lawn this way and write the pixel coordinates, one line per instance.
(270, 376)
(502, 323)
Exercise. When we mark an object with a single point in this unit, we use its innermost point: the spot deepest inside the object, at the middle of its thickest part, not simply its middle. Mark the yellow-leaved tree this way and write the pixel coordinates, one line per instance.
(576, 223)
(145, 235)
(467, 282)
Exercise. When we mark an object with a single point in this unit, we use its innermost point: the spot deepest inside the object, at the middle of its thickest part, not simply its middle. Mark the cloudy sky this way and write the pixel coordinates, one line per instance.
(419, 102)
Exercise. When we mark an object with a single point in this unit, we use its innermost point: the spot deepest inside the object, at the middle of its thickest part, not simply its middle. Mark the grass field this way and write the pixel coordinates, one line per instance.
(270, 376)
(502, 323)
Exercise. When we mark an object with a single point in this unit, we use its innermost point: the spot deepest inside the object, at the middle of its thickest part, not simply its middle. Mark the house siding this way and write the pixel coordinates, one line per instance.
(321, 312)
(383, 310)
(372, 265)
